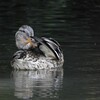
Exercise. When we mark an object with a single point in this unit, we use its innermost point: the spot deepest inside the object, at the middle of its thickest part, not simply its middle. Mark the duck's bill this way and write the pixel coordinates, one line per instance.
(31, 42)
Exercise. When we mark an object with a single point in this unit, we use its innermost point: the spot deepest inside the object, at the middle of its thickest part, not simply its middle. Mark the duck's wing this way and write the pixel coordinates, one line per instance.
(19, 54)
(50, 47)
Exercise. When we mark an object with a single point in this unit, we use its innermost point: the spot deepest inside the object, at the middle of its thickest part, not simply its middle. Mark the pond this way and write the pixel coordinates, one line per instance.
(75, 24)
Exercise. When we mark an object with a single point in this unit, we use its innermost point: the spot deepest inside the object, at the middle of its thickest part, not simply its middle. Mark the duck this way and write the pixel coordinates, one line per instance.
(34, 52)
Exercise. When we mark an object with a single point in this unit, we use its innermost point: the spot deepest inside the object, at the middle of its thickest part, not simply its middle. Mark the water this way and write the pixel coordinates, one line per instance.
(75, 24)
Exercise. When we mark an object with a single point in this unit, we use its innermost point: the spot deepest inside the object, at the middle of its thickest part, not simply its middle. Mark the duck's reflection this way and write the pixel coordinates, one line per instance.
(41, 83)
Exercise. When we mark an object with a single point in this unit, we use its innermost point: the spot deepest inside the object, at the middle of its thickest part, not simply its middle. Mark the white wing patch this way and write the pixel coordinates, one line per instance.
(47, 51)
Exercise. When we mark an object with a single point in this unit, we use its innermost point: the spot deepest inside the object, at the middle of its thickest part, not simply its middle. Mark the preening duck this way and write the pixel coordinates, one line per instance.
(34, 52)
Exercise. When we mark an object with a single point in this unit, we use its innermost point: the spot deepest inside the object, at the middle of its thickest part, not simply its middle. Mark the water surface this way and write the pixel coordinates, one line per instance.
(75, 24)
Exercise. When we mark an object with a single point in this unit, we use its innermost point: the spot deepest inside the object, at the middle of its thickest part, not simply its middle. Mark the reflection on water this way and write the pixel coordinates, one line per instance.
(41, 83)
(50, 85)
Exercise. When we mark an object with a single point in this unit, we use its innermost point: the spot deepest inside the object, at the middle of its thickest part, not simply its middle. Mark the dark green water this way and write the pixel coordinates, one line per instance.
(76, 25)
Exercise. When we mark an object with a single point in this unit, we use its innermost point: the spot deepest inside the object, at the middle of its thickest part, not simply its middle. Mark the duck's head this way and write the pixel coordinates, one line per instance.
(24, 38)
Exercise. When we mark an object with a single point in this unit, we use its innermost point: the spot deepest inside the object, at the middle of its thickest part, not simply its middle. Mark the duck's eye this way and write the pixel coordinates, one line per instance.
(22, 31)
(31, 37)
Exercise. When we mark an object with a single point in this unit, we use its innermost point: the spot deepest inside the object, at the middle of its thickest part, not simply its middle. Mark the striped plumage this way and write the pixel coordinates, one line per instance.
(34, 52)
